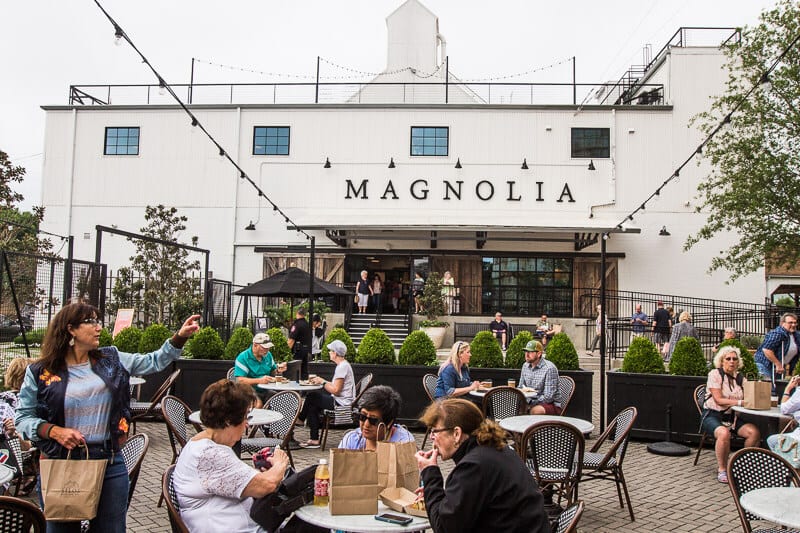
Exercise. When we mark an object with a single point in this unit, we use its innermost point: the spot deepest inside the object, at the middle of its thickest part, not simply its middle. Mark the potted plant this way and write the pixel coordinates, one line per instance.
(432, 301)
(417, 349)
(376, 348)
(688, 359)
(561, 352)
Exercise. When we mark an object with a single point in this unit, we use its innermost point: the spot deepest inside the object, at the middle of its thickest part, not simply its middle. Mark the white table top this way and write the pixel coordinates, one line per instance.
(136, 380)
(776, 504)
(518, 424)
(290, 385)
(358, 523)
(774, 412)
(480, 393)
(257, 417)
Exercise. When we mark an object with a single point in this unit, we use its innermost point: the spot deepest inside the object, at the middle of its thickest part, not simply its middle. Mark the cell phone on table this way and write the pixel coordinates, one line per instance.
(394, 519)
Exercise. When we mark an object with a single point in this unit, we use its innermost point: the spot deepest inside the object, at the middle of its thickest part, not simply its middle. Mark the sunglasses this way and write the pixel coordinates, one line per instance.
(91, 321)
(374, 420)
(731, 358)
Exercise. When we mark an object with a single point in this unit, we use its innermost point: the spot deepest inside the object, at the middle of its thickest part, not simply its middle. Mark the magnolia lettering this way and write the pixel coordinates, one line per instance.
(454, 190)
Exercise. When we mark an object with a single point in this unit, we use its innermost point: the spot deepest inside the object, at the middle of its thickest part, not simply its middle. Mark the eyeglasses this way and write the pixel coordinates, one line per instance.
(731, 358)
(436, 431)
(91, 321)
(374, 420)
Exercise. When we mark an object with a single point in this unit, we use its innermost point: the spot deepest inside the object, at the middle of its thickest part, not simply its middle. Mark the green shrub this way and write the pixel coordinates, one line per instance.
(105, 337)
(749, 368)
(127, 340)
(561, 352)
(486, 352)
(752, 342)
(642, 357)
(340, 334)
(515, 355)
(153, 337)
(376, 348)
(34, 336)
(241, 339)
(280, 352)
(205, 344)
(417, 349)
(688, 359)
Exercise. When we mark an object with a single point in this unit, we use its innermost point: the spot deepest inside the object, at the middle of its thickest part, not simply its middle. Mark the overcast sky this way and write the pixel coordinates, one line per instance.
(48, 45)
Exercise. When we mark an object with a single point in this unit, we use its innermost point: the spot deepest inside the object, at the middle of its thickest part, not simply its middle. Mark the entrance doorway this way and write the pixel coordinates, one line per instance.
(392, 274)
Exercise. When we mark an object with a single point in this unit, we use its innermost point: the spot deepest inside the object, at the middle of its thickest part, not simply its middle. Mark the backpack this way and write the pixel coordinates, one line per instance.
(295, 491)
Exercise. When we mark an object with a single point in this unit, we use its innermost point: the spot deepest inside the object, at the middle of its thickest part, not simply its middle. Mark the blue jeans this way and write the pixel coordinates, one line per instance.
(112, 509)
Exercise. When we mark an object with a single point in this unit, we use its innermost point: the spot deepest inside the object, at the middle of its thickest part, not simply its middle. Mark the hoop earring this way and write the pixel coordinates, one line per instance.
(72, 341)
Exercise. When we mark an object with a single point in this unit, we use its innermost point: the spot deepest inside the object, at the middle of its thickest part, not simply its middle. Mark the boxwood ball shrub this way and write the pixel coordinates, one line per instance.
(127, 340)
(241, 339)
(749, 368)
(561, 352)
(280, 352)
(417, 349)
(376, 348)
(105, 337)
(34, 336)
(153, 337)
(642, 357)
(486, 352)
(688, 359)
(515, 356)
(205, 344)
(340, 334)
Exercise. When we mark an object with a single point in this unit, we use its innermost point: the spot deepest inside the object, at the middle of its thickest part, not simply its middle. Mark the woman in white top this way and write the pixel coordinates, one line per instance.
(790, 406)
(214, 487)
(341, 390)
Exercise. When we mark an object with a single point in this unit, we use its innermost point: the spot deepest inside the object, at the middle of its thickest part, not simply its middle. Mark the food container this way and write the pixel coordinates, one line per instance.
(401, 500)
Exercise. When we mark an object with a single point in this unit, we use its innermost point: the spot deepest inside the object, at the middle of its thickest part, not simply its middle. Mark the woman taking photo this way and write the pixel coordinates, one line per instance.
(490, 488)
(214, 486)
(79, 393)
(378, 409)
(454, 374)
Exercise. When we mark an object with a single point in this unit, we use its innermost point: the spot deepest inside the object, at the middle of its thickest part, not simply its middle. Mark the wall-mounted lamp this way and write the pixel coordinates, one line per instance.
(250, 227)
(524, 164)
(664, 232)
(631, 130)
(327, 163)
(458, 163)
(548, 128)
(391, 162)
(591, 164)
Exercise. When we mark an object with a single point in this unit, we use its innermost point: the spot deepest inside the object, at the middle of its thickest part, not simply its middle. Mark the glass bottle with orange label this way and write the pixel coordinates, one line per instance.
(322, 478)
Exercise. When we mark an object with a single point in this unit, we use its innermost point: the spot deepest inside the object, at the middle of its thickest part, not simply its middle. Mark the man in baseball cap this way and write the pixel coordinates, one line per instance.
(255, 365)
(541, 375)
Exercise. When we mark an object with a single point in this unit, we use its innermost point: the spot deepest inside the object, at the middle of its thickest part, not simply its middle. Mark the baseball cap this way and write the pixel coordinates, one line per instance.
(533, 346)
(339, 347)
(263, 340)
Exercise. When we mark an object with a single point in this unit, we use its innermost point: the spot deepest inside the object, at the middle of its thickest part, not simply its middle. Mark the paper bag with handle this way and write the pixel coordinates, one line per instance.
(397, 465)
(757, 394)
(71, 488)
(353, 487)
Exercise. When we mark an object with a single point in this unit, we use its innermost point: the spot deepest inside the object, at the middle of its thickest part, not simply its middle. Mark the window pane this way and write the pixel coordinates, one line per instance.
(271, 140)
(590, 142)
(121, 141)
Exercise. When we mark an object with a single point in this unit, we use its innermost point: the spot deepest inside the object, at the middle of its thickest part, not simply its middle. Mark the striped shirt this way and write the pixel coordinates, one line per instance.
(87, 405)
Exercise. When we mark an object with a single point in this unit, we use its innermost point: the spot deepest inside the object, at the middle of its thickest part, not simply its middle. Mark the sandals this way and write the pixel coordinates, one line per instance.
(722, 476)
(313, 444)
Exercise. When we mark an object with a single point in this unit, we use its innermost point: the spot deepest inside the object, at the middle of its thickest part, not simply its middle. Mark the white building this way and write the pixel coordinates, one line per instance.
(456, 196)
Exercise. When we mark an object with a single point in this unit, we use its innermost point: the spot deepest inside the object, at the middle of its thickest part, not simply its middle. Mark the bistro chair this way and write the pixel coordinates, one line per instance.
(17, 514)
(133, 452)
(28, 462)
(569, 518)
(151, 411)
(757, 468)
(504, 402)
(229, 375)
(608, 465)
(699, 400)
(429, 384)
(566, 388)
(281, 432)
(169, 496)
(343, 415)
(176, 414)
(552, 452)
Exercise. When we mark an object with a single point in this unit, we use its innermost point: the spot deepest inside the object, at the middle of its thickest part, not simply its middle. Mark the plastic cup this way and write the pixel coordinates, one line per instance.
(512, 383)
(486, 384)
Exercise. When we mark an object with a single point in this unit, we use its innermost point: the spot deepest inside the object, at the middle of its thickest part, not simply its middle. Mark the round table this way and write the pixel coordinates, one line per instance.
(358, 523)
(289, 385)
(256, 417)
(518, 424)
(136, 380)
(529, 394)
(776, 504)
(773, 413)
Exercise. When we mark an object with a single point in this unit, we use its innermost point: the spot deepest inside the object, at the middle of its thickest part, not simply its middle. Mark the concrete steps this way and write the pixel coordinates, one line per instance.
(395, 326)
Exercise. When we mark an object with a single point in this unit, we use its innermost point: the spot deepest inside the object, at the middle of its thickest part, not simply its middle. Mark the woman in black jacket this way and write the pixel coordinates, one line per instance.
(490, 489)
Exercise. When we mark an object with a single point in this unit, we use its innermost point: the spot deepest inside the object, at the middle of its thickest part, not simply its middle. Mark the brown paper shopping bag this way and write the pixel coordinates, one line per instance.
(757, 394)
(397, 465)
(353, 487)
(71, 488)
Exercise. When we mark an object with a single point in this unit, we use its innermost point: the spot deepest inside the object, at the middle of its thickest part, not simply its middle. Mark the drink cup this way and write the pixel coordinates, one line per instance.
(486, 384)
(512, 383)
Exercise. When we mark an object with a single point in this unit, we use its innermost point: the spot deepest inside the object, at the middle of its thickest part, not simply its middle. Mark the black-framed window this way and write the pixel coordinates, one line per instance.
(271, 140)
(591, 142)
(527, 286)
(121, 141)
(429, 141)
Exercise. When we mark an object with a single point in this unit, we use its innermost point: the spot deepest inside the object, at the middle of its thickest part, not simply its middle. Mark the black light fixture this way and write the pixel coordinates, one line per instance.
(391, 162)
(591, 164)
(117, 35)
(524, 164)
(250, 227)
(664, 232)
(194, 121)
(458, 163)
(221, 152)
(327, 163)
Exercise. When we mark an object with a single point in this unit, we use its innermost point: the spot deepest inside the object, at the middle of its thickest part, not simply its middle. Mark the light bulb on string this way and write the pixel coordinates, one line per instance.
(162, 88)
(117, 35)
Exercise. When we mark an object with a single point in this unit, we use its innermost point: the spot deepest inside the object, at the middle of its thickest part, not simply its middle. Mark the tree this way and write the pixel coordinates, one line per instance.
(755, 181)
(19, 229)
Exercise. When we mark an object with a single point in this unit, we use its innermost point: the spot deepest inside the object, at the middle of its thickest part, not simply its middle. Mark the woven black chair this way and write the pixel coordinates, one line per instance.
(756, 468)
(569, 518)
(151, 411)
(343, 415)
(281, 432)
(552, 452)
(18, 515)
(504, 402)
(566, 388)
(28, 462)
(608, 465)
(699, 400)
(229, 375)
(168, 495)
(176, 415)
(429, 384)
(133, 452)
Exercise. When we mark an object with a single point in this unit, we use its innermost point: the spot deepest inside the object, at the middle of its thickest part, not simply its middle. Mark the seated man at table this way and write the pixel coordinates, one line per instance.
(499, 329)
(544, 330)
(378, 410)
(540, 374)
(255, 365)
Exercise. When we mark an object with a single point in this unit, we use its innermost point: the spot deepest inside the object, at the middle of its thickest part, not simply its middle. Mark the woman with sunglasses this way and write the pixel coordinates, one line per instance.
(379, 407)
(78, 393)
(454, 377)
(723, 391)
(489, 489)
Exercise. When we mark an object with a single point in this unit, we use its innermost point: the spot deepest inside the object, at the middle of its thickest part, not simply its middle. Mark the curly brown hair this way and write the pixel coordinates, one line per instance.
(55, 344)
(454, 412)
(15, 372)
(225, 403)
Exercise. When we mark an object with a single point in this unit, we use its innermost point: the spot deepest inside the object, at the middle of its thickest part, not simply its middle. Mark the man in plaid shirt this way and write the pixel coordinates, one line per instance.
(540, 374)
(778, 353)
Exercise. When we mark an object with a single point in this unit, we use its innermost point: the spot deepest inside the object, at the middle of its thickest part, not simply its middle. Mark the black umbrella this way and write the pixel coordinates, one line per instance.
(291, 282)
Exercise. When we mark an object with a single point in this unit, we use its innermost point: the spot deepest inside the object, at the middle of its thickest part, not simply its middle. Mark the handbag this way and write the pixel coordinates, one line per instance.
(786, 446)
(295, 491)
(355, 299)
(71, 489)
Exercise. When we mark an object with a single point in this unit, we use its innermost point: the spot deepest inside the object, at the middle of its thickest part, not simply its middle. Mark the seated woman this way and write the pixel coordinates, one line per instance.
(790, 406)
(723, 391)
(341, 390)
(9, 399)
(379, 407)
(213, 485)
(490, 488)
(454, 374)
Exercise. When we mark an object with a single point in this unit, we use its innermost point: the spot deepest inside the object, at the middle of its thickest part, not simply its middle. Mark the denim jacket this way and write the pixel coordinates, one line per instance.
(449, 381)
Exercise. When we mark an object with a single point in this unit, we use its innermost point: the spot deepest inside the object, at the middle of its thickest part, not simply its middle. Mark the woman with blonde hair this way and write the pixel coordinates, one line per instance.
(490, 488)
(454, 377)
(684, 328)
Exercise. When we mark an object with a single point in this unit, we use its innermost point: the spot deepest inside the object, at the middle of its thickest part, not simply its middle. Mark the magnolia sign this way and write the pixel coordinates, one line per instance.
(484, 190)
